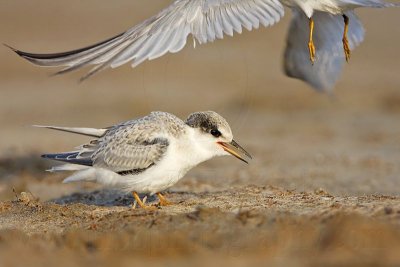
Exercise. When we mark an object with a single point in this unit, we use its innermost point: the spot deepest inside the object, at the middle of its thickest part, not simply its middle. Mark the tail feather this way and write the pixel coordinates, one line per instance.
(67, 167)
(88, 175)
(84, 131)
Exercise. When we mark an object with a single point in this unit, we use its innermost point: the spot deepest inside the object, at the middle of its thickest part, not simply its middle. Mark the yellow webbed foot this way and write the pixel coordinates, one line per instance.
(163, 200)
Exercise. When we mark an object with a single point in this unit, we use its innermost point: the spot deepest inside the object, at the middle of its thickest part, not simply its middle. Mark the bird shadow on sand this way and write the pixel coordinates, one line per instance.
(109, 198)
(104, 197)
(116, 198)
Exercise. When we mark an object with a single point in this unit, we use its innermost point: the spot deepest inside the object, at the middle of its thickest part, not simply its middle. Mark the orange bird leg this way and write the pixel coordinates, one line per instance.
(311, 46)
(140, 202)
(163, 200)
(346, 45)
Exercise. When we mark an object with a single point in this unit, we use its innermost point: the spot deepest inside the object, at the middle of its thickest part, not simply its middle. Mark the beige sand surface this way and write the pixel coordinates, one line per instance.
(323, 188)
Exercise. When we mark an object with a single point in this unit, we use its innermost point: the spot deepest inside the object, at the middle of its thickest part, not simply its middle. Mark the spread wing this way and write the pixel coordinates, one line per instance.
(328, 33)
(124, 149)
(166, 32)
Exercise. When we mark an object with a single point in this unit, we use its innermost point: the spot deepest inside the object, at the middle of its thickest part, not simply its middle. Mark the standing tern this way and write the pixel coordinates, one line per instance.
(149, 154)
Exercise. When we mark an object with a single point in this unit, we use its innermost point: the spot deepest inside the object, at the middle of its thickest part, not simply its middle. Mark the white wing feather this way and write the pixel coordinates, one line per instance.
(84, 131)
(166, 32)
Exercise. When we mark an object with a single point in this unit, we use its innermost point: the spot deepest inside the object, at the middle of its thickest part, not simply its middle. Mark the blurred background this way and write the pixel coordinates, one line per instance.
(348, 143)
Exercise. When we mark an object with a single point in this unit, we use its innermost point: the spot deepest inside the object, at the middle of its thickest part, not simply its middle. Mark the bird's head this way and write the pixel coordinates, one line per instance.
(214, 136)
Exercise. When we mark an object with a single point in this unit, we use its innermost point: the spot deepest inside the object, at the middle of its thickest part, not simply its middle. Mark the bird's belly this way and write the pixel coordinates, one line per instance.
(152, 181)
(159, 177)
(330, 6)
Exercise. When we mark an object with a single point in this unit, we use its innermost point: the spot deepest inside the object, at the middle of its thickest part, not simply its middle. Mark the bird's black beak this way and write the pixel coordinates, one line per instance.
(236, 150)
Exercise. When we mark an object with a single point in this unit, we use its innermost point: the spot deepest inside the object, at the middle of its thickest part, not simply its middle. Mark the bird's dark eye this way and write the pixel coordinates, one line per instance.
(215, 133)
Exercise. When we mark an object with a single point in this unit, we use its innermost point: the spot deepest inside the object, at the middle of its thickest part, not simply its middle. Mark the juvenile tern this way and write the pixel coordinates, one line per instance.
(320, 31)
(149, 154)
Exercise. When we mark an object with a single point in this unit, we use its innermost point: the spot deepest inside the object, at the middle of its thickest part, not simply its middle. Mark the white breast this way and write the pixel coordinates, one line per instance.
(182, 155)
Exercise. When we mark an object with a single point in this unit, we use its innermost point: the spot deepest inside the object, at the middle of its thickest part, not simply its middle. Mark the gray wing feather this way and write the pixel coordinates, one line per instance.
(118, 156)
(134, 145)
(328, 33)
(128, 155)
(127, 147)
(166, 32)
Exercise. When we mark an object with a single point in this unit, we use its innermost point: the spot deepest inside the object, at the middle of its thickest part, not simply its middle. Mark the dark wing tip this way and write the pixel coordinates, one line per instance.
(69, 157)
(49, 56)
(12, 48)
(34, 58)
(49, 156)
(22, 53)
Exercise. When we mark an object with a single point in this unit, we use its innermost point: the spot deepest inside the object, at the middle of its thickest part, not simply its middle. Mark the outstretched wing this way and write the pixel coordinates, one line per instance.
(328, 33)
(206, 20)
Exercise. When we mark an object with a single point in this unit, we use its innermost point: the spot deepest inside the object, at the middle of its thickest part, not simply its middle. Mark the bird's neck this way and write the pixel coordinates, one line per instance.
(192, 151)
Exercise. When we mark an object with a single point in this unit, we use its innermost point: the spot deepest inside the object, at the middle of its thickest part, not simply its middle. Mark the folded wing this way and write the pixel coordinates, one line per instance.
(124, 149)
(130, 157)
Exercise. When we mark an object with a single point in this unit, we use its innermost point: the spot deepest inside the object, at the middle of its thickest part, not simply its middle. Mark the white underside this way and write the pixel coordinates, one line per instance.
(181, 156)
(334, 7)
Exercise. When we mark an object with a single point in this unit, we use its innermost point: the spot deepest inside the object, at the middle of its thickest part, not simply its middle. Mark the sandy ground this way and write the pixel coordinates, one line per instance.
(323, 188)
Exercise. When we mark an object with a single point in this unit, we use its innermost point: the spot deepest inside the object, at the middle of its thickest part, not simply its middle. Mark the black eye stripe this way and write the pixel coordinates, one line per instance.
(215, 133)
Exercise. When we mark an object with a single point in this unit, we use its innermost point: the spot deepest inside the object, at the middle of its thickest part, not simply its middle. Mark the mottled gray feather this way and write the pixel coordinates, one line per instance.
(129, 146)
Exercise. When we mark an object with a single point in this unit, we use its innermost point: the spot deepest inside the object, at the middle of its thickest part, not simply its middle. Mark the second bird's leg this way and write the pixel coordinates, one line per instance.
(311, 46)
(140, 202)
(163, 200)
(346, 46)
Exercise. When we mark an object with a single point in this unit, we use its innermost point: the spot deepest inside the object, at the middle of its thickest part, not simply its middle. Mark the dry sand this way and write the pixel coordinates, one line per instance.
(322, 190)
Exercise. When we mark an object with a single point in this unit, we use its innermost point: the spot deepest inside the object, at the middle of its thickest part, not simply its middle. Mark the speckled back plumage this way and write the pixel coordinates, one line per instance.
(137, 144)
(128, 147)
